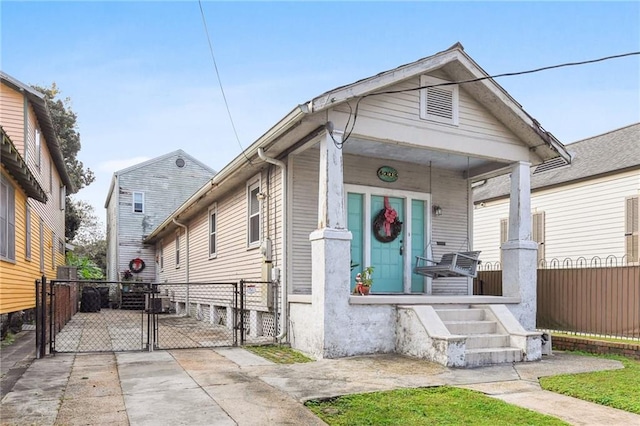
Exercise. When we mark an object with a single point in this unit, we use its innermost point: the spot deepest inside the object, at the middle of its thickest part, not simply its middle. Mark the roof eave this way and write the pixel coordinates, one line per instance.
(43, 115)
(243, 158)
(17, 167)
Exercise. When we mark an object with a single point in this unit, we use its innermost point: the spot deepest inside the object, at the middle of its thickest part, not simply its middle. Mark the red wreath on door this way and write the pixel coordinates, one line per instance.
(136, 265)
(386, 225)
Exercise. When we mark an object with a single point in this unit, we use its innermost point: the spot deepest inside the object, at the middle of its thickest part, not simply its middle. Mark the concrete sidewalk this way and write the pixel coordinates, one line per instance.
(232, 386)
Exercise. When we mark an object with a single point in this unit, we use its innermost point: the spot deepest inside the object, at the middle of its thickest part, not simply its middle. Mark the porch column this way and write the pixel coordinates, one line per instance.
(330, 254)
(519, 252)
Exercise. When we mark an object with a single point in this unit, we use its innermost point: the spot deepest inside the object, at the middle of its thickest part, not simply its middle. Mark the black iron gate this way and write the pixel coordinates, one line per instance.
(107, 316)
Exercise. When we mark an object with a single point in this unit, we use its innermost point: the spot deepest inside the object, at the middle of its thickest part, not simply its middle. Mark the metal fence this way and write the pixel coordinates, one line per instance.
(105, 316)
(600, 296)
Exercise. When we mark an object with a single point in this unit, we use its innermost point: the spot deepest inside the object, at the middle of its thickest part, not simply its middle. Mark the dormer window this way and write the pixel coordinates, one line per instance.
(438, 103)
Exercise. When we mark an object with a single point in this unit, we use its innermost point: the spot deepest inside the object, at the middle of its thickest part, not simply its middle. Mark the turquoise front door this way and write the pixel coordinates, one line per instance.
(387, 257)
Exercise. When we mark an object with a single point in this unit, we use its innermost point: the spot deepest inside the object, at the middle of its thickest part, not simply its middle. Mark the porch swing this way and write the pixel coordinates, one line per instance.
(456, 264)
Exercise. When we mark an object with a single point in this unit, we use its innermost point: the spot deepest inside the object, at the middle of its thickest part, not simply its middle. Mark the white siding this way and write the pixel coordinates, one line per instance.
(234, 260)
(581, 219)
(165, 187)
(397, 117)
(112, 240)
(449, 191)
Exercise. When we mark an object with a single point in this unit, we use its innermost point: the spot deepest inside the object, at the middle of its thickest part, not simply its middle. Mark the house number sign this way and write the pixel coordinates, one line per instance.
(387, 174)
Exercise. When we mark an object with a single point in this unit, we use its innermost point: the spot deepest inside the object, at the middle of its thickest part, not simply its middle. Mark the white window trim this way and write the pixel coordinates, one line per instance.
(426, 80)
(251, 185)
(41, 245)
(38, 148)
(133, 201)
(213, 210)
(27, 242)
(63, 197)
(10, 202)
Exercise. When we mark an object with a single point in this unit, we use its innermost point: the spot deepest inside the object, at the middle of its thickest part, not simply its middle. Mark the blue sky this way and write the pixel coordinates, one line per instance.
(142, 81)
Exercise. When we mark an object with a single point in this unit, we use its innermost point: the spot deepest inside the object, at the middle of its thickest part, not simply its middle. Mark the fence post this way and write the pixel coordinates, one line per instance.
(241, 312)
(52, 301)
(42, 332)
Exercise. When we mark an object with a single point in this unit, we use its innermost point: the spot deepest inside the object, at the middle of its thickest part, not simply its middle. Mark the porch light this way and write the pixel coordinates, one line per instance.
(437, 210)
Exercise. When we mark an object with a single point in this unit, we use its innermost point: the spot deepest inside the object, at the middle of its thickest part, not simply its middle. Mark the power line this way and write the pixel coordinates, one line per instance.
(215, 65)
(473, 80)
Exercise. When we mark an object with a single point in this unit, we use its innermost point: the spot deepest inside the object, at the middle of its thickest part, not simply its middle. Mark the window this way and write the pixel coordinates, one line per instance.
(439, 103)
(138, 202)
(41, 245)
(213, 215)
(51, 177)
(38, 148)
(254, 213)
(538, 232)
(632, 229)
(177, 250)
(61, 246)
(27, 241)
(7, 220)
(63, 197)
(161, 260)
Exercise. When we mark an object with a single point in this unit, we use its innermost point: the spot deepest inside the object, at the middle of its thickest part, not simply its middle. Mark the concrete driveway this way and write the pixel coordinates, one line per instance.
(232, 386)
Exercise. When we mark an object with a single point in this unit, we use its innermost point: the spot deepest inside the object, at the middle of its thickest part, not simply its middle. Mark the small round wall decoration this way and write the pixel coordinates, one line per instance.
(136, 265)
(387, 174)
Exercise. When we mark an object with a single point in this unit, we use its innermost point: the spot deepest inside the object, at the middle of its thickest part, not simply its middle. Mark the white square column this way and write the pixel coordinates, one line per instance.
(520, 252)
(330, 254)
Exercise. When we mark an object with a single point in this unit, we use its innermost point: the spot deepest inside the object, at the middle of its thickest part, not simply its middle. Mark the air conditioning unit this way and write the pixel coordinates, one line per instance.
(157, 305)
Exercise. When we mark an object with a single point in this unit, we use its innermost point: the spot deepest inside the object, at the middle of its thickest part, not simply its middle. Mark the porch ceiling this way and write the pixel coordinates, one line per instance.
(410, 154)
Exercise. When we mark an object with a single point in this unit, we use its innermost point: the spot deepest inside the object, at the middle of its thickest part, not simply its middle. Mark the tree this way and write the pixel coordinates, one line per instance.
(66, 129)
(89, 239)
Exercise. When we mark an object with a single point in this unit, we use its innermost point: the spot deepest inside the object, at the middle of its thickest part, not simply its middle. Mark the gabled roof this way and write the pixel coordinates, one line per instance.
(178, 153)
(612, 152)
(307, 119)
(43, 116)
(17, 168)
(461, 67)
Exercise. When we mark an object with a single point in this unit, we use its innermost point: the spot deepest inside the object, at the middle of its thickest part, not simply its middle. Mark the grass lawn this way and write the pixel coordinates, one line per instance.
(614, 388)
(279, 354)
(425, 406)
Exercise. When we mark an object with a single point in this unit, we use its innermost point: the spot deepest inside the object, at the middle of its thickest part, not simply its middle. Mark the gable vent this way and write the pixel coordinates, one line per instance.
(554, 163)
(440, 103)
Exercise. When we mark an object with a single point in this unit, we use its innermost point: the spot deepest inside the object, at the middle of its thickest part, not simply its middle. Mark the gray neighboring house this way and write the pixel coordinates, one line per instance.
(140, 197)
(587, 210)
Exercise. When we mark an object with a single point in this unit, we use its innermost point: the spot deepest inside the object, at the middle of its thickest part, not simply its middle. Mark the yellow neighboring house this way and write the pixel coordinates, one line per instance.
(33, 186)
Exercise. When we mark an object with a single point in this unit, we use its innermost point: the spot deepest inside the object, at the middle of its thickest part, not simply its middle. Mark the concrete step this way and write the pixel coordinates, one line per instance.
(480, 341)
(461, 314)
(471, 327)
(479, 357)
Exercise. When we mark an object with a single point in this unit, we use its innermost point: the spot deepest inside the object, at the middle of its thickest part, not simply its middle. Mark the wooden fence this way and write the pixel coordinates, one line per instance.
(597, 298)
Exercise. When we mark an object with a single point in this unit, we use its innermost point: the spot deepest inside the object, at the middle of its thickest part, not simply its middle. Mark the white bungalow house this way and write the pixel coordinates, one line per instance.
(584, 212)
(303, 199)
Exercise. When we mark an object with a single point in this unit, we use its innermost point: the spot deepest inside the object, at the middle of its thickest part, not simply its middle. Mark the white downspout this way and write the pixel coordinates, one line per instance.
(283, 292)
(186, 271)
